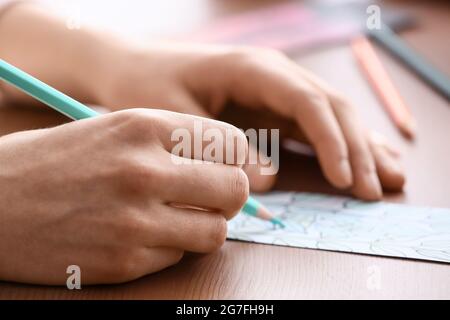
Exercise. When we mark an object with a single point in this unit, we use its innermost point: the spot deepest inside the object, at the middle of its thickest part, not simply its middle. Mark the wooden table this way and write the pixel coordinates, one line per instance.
(240, 270)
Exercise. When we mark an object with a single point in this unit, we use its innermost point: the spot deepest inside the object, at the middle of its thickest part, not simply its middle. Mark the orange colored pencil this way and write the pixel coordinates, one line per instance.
(383, 86)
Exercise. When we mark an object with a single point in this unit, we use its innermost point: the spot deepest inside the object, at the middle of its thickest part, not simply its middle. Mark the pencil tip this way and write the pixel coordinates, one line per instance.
(265, 214)
(278, 222)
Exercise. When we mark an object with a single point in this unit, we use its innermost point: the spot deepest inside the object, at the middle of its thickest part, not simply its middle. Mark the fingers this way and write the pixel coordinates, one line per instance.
(389, 171)
(190, 230)
(209, 139)
(187, 136)
(258, 181)
(218, 187)
(334, 130)
(313, 113)
(366, 184)
(377, 139)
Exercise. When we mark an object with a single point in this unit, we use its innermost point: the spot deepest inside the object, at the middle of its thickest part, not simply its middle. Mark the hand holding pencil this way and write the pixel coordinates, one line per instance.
(75, 110)
(109, 194)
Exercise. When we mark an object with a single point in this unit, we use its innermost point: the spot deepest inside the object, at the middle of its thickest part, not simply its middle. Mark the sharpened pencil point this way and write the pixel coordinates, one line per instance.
(277, 222)
(265, 214)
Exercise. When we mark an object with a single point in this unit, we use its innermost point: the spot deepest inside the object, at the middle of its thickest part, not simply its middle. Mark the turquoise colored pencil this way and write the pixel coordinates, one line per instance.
(254, 208)
(76, 111)
(434, 77)
(44, 93)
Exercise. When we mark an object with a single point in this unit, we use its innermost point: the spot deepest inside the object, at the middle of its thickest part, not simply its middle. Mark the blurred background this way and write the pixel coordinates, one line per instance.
(153, 19)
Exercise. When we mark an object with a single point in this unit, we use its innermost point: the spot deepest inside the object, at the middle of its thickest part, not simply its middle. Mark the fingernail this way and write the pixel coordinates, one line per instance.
(346, 172)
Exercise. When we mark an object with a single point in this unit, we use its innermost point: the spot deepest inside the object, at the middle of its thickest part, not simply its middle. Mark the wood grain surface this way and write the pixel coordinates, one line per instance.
(251, 271)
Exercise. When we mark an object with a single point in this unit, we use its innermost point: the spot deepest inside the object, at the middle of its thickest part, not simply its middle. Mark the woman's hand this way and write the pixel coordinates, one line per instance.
(202, 79)
(105, 194)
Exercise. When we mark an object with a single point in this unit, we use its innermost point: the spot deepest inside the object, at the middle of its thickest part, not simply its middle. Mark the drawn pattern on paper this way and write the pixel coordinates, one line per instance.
(336, 223)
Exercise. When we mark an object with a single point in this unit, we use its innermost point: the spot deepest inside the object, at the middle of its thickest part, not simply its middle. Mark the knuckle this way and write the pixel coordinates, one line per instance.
(338, 97)
(123, 264)
(139, 177)
(130, 117)
(311, 100)
(129, 227)
(317, 98)
(138, 125)
(249, 55)
(342, 102)
(246, 62)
